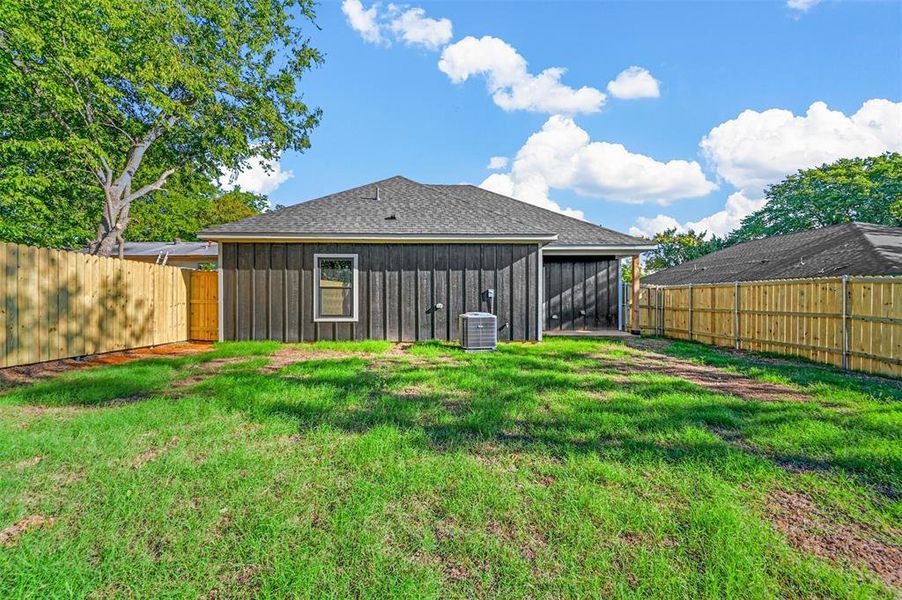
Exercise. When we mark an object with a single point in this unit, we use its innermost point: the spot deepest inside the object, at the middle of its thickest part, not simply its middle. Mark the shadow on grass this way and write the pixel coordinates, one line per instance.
(788, 368)
(508, 400)
(552, 400)
(100, 385)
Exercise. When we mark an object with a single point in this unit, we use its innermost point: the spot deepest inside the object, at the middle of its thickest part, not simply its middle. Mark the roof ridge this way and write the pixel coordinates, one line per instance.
(874, 250)
(557, 214)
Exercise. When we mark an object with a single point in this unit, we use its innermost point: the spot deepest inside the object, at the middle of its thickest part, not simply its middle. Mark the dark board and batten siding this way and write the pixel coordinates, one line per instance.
(268, 290)
(580, 292)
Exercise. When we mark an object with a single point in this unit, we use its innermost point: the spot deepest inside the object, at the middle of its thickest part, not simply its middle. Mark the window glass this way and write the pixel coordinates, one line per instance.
(336, 287)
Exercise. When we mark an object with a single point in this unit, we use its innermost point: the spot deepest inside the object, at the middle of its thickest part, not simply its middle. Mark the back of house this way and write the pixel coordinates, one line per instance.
(400, 260)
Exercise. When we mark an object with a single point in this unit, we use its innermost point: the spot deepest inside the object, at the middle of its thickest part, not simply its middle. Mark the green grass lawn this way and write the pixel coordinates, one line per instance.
(537, 471)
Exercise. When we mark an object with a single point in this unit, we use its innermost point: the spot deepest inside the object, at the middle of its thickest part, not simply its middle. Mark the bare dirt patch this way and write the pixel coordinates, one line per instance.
(30, 373)
(710, 378)
(399, 349)
(28, 462)
(201, 372)
(658, 345)
(241, 581)
(810, 529)
(290, 355)
(153, 453)
(9, 535)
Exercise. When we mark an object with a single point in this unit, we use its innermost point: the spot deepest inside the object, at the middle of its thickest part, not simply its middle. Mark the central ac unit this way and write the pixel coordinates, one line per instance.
(478, 331)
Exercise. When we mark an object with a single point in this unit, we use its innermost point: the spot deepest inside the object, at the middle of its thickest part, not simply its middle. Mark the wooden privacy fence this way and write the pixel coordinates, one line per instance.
(58, 304)
(850, 322)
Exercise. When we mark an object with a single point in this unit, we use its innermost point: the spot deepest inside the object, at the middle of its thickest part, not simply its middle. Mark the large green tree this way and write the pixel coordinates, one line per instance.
(674, 248)
(857, 189)
(102, 102)
(190, 204)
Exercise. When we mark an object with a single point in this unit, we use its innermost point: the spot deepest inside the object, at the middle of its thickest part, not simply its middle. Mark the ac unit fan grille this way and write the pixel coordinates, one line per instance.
(478, 331)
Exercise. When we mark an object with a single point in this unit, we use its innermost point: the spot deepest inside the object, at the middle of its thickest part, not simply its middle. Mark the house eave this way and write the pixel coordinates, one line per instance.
(616, 250)
(402, 238)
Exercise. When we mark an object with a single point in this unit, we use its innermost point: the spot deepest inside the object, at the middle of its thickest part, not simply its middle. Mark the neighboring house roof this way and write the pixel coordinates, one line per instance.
(845, 249)
(406, 209)
(188, 249)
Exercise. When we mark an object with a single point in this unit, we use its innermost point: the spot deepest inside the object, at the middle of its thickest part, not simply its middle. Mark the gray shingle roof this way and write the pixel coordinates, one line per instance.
(571, 231)
(201, 249)
(845, 249)
(419, 209)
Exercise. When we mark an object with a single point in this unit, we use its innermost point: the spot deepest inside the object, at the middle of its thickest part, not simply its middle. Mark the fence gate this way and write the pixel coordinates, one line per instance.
(204, 306)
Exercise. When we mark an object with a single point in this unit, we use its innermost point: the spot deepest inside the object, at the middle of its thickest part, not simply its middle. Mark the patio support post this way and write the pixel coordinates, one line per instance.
(634, 298)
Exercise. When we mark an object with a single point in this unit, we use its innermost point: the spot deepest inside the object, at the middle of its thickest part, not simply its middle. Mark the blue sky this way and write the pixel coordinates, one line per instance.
(720, 103)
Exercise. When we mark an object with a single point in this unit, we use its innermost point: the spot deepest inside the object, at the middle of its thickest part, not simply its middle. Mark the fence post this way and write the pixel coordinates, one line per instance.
(738, 339)
(690, 312)
(845, 321)
(659, 314)
(663, 312)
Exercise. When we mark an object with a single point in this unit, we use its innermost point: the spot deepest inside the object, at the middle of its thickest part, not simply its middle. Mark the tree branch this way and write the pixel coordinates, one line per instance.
(150, 187)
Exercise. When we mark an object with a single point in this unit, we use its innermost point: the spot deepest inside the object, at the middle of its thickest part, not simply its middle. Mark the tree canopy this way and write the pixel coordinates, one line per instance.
(856, 189)
(192, 204)
(102, 102)
(675, 248)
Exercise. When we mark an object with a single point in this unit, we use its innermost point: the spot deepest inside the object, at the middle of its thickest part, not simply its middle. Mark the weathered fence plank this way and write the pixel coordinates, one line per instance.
(804, 317)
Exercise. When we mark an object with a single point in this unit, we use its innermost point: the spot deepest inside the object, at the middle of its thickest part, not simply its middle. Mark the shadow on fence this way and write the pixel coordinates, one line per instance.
(59, 304)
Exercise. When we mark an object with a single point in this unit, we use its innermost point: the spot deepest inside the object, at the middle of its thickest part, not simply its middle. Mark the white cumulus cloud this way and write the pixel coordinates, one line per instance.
(802, 5)
(759, 148)
(649, 226)
(634, 82)
(363, 20)
(509, 81)
(408, 25)
(259, 177)
(532, 191)
(497, 162)
(562, 156)
(414, 28)
(738, 206)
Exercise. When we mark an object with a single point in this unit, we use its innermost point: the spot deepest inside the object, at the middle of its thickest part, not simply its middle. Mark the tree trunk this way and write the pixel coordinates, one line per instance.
(118, 194)
(108, 234)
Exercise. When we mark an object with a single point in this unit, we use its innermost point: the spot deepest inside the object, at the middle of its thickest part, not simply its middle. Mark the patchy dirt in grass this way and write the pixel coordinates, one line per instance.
(649, 344)
(25, 414)
(810, 529)
(25, 374)
(153, 453)
(658, 345)
(9, 535)
(710, 378)
(290, 355)
(242, 581)
(200, 372)
(28, 462)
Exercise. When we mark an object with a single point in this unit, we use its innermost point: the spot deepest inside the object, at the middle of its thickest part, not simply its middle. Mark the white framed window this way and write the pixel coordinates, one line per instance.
(335, 287)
